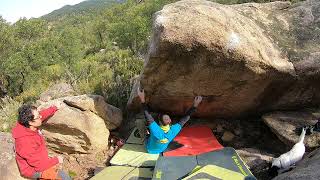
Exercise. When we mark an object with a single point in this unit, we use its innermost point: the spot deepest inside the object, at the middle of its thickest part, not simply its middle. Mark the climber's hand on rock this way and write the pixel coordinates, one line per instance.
(197, 101)
(141, 95)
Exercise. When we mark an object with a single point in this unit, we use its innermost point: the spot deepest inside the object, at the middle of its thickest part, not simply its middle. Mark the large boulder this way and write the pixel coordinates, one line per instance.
(96, 104)
(8, 165)
(244, 59)
(81, 125)
(308, 168)
(287, 126)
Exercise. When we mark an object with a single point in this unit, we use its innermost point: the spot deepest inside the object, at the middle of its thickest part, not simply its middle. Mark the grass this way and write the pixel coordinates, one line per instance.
(72, 174)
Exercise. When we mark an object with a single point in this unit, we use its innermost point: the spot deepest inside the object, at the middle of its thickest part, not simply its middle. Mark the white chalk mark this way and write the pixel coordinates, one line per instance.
(233, 41)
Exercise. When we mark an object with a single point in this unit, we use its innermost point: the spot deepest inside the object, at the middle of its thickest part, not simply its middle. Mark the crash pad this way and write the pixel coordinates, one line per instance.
(135, 138)
(226, 158)
(226, 161)
(193, 140)
(174, 167)
(134, 155)
(124, 173)
(215, 172)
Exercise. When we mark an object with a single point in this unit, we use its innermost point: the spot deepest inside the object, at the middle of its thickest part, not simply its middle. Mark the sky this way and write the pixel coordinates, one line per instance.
(13, 10)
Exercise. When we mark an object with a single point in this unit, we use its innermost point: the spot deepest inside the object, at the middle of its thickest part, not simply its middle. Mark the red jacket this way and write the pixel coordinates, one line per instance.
(31, 150)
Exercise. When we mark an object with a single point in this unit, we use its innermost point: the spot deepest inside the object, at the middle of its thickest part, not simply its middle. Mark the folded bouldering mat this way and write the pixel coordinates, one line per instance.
(124, 173)
(134, 137)
(226, 161)
(134, 155)
(193, 140)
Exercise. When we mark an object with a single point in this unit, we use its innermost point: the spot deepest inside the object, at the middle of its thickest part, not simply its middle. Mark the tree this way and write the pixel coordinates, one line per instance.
(70, 50)
(6, 40)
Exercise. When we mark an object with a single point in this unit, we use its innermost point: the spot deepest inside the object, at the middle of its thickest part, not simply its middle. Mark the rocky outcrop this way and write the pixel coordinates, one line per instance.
(96, 104)
(244, 59)
(8, 165)
(308, 168)
(81, 125)
(286, 125)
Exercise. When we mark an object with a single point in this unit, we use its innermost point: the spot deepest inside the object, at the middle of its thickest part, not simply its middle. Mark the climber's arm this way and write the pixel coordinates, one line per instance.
(186, 117)
(146, 113)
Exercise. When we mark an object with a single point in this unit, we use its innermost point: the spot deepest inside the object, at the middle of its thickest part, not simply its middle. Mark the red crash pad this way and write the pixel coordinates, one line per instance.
(195, 140)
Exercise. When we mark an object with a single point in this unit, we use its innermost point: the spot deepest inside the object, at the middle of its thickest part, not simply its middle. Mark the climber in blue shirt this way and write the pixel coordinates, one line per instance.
(161, 136)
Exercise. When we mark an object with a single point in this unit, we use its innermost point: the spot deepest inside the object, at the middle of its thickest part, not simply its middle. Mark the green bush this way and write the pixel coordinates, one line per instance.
(110, 74)
(8, 113)
(125, 67)
(92, 75)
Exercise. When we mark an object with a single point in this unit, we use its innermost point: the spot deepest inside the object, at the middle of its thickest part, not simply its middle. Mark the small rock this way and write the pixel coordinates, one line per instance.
(227, 136)
(219, 128)
(237, 132)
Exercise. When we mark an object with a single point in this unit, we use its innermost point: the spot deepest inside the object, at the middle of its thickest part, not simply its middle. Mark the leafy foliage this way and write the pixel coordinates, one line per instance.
(8, 115)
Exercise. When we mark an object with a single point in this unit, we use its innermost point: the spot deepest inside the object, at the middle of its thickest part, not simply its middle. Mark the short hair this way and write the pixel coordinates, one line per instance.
(25, 114)
(160, 117)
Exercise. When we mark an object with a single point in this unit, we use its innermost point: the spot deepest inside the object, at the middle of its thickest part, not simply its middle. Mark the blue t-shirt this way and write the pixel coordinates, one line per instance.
(159, 140)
